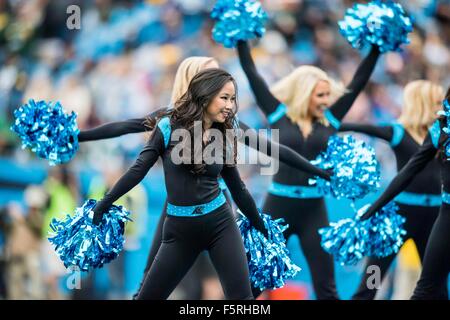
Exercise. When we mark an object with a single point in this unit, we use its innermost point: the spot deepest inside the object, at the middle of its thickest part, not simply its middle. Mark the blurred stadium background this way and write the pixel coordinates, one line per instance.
(120, 65)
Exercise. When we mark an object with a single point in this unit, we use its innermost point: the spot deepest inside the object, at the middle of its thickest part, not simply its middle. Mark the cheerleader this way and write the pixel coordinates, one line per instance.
(299, 106)
(419, 203)
(186, 71)
(198, 216)
(436, 261)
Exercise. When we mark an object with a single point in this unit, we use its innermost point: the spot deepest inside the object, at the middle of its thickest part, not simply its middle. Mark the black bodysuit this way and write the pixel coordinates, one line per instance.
(115, 129)
(420, 216)
(303, 214)
(184, 238)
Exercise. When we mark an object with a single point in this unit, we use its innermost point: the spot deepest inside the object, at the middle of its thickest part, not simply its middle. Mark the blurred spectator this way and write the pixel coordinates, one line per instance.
(24, 272)
(4, 229)
(62, 191)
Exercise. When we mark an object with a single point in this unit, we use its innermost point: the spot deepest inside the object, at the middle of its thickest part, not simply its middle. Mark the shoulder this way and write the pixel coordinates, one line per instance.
(165, 128)
(398, 133)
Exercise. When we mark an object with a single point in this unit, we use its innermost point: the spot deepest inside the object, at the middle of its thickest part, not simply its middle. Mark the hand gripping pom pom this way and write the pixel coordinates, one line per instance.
(349, 240)
(268, 259)
(78, 242)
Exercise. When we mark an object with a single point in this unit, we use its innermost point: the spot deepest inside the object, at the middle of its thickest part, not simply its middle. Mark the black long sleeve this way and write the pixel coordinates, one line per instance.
(359, 81)
(116, 129)
(113, 129)
(382, 132)
(134, 175)
(265, 99)
(425, 154)
(286, 154)
(242, 197)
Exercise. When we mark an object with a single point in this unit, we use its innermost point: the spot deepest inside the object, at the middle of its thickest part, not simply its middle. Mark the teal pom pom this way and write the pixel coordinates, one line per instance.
(385, 231)
(381, 23)
(356, 171)
(349, 240)
(268, 259)
(47, 130)
(237, 20)
(345, 240)
(78, 242)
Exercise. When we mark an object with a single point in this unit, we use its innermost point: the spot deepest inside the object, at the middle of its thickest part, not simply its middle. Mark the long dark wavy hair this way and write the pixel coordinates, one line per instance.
(192, 105)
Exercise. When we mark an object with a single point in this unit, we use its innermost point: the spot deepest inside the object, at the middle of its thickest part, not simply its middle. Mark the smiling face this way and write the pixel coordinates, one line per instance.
(320, 99)
(222, 105)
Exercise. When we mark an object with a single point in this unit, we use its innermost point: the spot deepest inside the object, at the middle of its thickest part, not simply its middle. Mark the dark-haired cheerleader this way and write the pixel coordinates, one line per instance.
(187, 69)
(198, 216)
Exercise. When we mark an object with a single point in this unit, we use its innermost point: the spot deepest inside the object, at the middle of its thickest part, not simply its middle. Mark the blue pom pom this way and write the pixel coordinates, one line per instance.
(385, 231)
(356, 171)
(381, 23)
(268, 259)
(446, 129)
(47, 130)
(349, 240)
(345, 240)
(78, 242)
(237, 20)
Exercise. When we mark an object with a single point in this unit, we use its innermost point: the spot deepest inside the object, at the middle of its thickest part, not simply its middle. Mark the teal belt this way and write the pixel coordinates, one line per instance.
(197, 210)
(300, 192)
(419, 199)
(446, 197)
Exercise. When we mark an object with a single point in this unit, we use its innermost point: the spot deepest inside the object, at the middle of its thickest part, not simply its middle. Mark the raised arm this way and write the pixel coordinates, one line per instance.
(264, 98)
(286, 154)
(116, 129)
(425, 154)
(134, 175)
(242, 197)
(359, 81)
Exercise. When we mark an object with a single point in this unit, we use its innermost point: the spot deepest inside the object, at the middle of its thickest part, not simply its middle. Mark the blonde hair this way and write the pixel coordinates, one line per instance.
(188, 68)
(295, 91)
(419, 99)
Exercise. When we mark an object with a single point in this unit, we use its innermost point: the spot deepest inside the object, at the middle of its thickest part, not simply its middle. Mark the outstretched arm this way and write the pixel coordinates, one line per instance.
(286, 154)
(112, 130)
(147, 158)
(116, 129)
(425, 154)
(382, 132)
